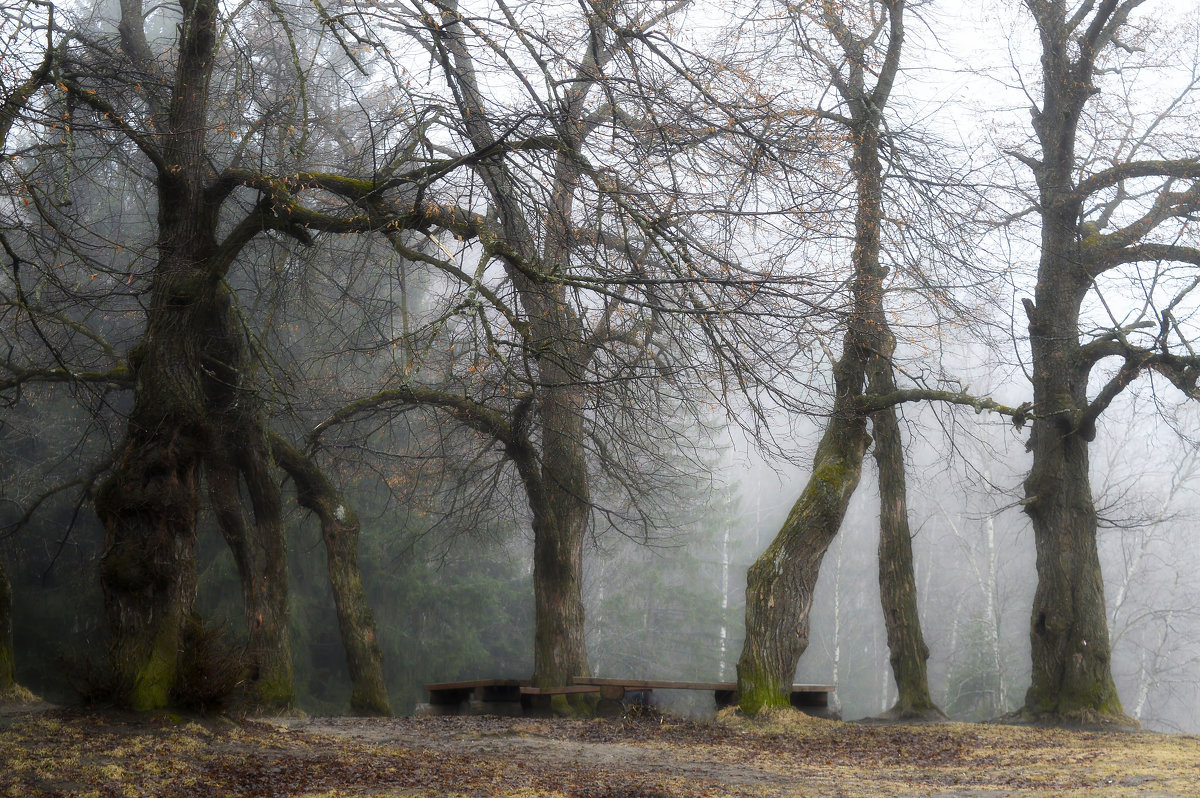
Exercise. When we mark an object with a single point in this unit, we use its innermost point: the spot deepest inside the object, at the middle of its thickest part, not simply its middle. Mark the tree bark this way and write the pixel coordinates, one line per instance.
(147, 572)
(1070, 648)
(897, 582)
(149, 504)
(339, 530)
(238, 458)
(780, 584)
(260, 552)
(559, 527)
(558, 352)
(8, 673)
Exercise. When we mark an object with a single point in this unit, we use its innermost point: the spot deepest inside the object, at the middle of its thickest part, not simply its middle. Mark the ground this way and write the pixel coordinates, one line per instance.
(65, 752)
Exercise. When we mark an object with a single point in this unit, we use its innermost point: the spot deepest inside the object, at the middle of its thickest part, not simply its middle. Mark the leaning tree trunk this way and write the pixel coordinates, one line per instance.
(339, 530)
(897, 582)
(780, 584)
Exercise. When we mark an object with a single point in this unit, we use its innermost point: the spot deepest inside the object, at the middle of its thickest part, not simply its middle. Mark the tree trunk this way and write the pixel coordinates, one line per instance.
(559, 528)
(241, 458)
(1072, 675)
(897, 583)
(8, 673)
(339, 530)
(149, 503)
(148, 568)
(558, 347)
(780, 584)
(259, 550)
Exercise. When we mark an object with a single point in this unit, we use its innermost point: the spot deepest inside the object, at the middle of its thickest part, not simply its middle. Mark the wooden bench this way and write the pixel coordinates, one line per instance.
(485, 696)
(810, 698)
(517, 697)
(495, 697)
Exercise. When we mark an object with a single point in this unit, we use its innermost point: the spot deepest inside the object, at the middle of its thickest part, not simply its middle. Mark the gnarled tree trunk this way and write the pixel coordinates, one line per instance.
(149, 503)
(238, 458)
(260, 552)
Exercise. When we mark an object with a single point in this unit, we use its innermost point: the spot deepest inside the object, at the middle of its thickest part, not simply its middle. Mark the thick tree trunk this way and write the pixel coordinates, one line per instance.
(147, 572)
(149, 504)
(339, 530)
(1072, 675)
(897, 582)
(559, 652)
(1072, 669)
(560, 525)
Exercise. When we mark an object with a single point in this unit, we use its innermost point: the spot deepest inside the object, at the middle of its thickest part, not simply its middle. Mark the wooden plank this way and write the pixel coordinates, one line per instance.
(575, 688)
(473, 683)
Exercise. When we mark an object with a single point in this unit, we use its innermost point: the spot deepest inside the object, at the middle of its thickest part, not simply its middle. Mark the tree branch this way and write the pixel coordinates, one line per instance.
(1187, 169)
(871, 403)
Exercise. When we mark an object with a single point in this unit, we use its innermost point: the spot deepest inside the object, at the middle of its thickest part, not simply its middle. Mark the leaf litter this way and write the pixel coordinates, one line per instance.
(111, 755)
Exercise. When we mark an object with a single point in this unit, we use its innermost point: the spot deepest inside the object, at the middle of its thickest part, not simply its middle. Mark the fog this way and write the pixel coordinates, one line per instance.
(397, 344)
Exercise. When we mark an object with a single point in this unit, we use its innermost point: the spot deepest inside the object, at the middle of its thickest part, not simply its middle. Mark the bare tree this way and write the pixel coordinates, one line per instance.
(614, 315)
(143, 101)
(1108, 209)
(779, 592)
(29, 63)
